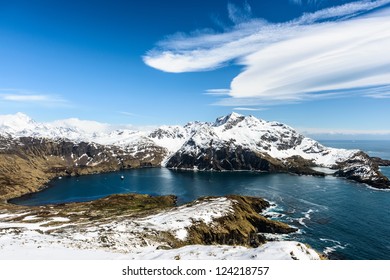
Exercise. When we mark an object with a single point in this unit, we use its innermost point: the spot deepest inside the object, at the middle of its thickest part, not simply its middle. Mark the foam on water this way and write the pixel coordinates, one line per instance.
(334, 246)
(274, 212)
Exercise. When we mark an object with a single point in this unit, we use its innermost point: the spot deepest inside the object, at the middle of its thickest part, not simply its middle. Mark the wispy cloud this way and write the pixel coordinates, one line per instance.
(308, 2)
(379, 92)
(24, 98)
(345, 134)
(248, 109)
(298, 2)
(218, 91)
(130, 114)
(27, 97)
(330, 52)
(318, 131)
(239, 14)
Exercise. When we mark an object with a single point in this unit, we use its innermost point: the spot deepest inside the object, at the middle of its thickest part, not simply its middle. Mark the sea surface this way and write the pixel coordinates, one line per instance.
(346, 220)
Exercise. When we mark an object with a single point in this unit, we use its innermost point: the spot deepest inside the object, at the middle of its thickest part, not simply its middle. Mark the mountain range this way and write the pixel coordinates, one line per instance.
(32, 153)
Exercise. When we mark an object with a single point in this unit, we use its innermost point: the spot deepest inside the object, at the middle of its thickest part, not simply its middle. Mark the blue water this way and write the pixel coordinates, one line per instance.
(345, 219)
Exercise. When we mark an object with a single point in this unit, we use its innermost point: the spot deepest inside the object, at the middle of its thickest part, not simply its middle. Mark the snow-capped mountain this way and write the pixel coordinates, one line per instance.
(232, 142)
(274, 139)
(21, 125)
(232, 131)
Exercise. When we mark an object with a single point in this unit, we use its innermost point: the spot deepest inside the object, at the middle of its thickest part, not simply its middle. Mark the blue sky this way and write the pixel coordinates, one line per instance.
(320, 66)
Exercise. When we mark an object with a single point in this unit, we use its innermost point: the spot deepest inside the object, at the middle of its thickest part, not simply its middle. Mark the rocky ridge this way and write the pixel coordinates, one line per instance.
(237, 142)
(28, 163)
(33, 153)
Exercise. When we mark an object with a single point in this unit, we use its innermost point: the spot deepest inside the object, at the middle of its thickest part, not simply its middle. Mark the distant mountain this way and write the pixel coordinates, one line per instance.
(246, 132)
(232, 142)
(269, 139)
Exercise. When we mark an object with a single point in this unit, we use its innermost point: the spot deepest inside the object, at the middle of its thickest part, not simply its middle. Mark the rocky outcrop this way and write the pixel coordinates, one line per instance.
(28, 163)
(243, 226)
(363, 169)
(238, 158)
(122, 222)
(225, 158)
(380, 162)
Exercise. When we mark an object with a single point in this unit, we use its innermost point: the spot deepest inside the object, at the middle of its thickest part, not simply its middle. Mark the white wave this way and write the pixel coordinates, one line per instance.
(274, 211)
(306, 217)
(312, 203)
(334, 246)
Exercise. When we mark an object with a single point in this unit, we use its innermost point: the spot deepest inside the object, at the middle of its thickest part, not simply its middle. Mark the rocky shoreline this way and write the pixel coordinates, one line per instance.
(33, 153)
(27, 164)
(133, 224)
(137, 225)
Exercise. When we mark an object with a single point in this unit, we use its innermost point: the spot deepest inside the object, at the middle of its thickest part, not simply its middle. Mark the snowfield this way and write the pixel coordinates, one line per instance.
(24, 236)
(179, 219)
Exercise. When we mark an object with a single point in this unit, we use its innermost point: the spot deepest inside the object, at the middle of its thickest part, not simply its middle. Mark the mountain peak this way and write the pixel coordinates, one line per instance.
(232, 118)
(16, 121)
(22, 117)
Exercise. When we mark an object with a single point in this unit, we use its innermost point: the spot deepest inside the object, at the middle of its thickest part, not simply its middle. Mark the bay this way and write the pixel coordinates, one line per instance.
(344, 219)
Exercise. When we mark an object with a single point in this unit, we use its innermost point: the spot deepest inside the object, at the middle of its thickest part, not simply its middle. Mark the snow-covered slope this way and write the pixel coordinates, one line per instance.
(28, 235)
(234, 130)
(272, 138)
(230, 132)
(21, 125)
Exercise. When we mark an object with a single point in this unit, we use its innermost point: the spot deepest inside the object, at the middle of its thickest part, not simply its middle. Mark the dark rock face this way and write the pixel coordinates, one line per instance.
(161, 133)
(224, 159)
(239, 158)
(363, 169)
(243, 227)
(380, 162)
(228, 156)
(28, 163)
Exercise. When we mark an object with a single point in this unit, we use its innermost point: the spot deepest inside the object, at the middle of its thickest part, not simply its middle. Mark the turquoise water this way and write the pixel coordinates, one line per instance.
(345, 219)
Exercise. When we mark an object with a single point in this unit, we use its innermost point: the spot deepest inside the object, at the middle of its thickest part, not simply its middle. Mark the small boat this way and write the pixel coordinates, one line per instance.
(122, 177)
(60, 177)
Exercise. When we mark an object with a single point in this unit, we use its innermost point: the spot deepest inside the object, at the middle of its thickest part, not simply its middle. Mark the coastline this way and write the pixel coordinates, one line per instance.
(144, 227)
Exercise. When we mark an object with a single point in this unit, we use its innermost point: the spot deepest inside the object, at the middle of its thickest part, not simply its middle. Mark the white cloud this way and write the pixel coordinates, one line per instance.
(308, 2)
(82, 125)
(248, 109)
(328, 57)
(218, 91)
(237, 14)
(22, 96)
(343, 131)
(345, 134)
(129, 114)
(330, 52)
(380, 92)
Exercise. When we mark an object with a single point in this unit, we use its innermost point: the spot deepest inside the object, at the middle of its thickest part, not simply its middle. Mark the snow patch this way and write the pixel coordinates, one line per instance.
(178, 220)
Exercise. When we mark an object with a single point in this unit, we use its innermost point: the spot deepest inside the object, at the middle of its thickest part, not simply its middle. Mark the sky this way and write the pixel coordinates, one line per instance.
(322, 66)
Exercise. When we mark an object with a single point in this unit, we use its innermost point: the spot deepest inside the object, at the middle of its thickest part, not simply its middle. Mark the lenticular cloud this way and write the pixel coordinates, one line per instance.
(332, 51)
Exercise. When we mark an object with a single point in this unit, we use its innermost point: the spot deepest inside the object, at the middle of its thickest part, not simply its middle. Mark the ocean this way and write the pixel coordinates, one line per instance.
(345, 220)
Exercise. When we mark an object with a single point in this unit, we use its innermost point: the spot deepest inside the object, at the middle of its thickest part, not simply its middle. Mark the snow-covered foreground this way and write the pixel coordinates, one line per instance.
(37, 247)
(29, 235)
